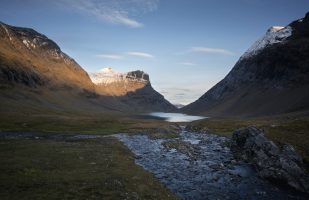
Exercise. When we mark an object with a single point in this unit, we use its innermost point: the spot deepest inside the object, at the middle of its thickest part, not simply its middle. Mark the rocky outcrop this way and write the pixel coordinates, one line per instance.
(282, 165)
(138, 75)
(132, 88)
(272, 77)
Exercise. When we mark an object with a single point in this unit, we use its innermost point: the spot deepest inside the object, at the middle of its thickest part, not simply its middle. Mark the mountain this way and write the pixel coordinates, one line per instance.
(30, 58)
(132, 88)
(109, 82)
(36, 76)
(272, 77)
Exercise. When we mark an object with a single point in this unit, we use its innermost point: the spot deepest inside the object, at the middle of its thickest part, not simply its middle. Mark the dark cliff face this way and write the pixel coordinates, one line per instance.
(149, 99)
(274, 81)
(139, 75)
(146, 96)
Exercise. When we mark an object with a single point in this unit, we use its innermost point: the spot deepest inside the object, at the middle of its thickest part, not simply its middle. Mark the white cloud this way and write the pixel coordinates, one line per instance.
(187, 63)
(113, 11)
(110, 56)
(140, 54)
(118, 56)
(210, 50)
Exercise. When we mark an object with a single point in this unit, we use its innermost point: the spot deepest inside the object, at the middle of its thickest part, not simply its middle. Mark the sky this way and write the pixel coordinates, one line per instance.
(186, 46)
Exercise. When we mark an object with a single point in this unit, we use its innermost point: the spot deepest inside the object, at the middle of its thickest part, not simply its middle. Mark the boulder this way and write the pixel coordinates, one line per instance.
(280, 164)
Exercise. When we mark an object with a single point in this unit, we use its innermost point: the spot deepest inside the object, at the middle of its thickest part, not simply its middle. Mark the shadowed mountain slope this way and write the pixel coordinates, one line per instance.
(272, 77)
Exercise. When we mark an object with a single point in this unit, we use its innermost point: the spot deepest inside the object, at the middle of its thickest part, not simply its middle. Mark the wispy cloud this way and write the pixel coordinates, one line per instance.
(140, 54)
(187, 63)
(210, 50)
(113, 11)
(110, 56)
(118, 56)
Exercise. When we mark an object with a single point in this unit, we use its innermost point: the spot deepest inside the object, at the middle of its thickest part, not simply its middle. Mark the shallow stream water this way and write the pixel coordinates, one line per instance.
(207, 171)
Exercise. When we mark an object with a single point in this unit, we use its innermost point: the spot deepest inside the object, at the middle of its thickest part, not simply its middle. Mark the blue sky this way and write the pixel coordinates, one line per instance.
(186, 46)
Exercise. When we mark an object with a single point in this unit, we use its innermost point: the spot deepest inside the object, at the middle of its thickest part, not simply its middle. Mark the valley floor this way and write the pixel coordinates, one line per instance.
(69, 167)
(74, 157)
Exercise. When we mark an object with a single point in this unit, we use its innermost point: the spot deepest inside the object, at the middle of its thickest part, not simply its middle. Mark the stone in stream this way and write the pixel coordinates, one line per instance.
(282, 165)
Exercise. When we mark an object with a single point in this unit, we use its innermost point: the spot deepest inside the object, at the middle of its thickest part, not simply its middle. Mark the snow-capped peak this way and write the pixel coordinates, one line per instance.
(275, 29)
(106, 70)
(275, 34)
(107, 76)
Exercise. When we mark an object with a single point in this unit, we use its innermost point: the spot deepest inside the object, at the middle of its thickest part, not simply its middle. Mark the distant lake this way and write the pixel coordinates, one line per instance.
(176, 117)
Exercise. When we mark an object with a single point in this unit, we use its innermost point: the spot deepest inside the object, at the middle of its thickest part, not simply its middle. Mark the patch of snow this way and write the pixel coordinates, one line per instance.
(275, 34)
(7, 32)
(107, 76)
(29, 44)
(26, 43)
(107, 70)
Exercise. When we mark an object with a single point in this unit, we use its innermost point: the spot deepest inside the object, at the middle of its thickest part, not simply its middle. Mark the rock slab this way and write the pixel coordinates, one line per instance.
(279, 164)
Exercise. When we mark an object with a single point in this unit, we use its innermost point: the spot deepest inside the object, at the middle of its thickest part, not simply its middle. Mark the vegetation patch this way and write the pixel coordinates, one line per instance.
(83, 169)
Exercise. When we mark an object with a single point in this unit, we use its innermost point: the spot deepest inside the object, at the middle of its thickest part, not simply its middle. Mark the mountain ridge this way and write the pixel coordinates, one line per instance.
(273, 81)
(30, 57)
(36, 75)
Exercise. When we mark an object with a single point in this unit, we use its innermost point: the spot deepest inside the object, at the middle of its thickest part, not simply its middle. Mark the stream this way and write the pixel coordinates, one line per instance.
(194, 166)
(200, 166)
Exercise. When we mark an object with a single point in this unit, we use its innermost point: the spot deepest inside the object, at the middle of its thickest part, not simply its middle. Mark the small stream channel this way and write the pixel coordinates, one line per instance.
(200, 166)
(194, 165)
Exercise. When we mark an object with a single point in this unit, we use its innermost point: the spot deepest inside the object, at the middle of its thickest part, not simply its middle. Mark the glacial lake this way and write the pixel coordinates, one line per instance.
(176, 117)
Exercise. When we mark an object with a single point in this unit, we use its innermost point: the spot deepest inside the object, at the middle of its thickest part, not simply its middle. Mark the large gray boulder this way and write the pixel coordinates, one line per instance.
(282, 165)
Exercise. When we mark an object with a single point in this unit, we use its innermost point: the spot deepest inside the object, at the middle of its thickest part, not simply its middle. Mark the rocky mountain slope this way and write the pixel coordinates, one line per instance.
(36, 76)
(30, 58)
(132, 88)
(272, 77)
